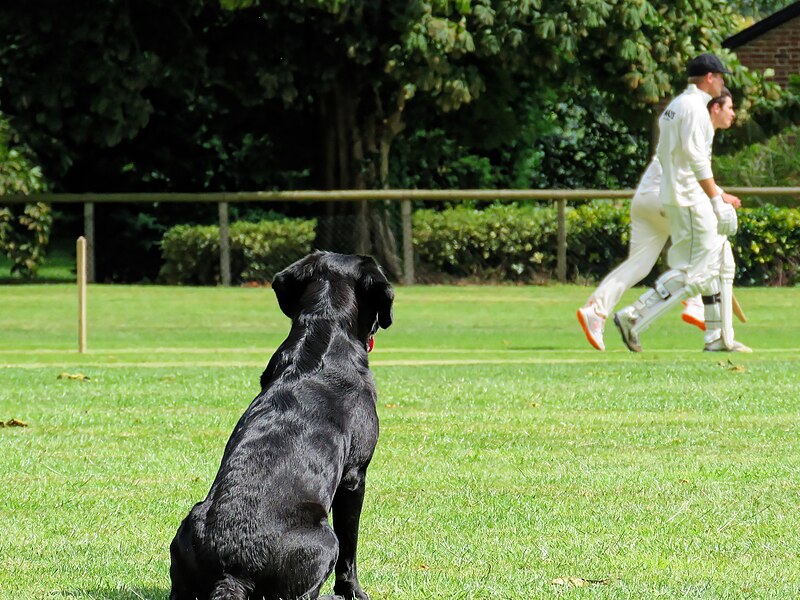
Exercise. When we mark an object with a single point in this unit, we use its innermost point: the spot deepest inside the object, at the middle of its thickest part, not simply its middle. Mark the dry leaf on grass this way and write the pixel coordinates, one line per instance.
(728, 364)
(13, 423)
(579, 581)
(73, 376)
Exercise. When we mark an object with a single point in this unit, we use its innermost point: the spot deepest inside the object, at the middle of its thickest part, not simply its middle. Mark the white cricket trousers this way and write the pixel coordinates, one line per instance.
(696, 246)
(649, 232)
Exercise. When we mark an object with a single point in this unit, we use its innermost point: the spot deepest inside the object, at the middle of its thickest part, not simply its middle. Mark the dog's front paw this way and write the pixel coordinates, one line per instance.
(349, 591)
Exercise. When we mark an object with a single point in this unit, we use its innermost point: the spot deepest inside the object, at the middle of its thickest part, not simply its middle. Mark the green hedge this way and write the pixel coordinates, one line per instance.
(518, 243)
(500, 242)
(767, 246)
(512, 242)
(504, 242)
(258, 250)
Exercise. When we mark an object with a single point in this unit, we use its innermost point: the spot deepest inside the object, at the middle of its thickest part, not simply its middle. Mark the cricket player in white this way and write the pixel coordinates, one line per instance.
(649, 232)
(699, 218)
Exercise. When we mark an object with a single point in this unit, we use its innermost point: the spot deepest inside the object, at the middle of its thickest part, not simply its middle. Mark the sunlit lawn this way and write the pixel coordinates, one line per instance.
(514, 460)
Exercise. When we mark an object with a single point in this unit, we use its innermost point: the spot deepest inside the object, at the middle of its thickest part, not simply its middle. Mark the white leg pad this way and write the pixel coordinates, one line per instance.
(719, 305)
(727, 273)
(713, 311)
(726, 313)
(668, 290)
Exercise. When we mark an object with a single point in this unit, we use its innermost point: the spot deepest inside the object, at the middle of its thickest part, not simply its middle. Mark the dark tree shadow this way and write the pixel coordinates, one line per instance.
(138, 594)
(147, 593)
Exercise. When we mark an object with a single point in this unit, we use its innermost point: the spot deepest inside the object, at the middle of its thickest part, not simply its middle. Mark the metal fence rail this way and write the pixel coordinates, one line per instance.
(404, 196)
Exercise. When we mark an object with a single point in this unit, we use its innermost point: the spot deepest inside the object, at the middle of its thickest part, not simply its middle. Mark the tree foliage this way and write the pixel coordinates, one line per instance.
(547, 94)
(759, 9)
(772, 164)
(24, 229)
(193, 95)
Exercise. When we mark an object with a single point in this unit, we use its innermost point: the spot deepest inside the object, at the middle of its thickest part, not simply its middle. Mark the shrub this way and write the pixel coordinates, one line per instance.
(775, 162)
(24, 229)
(258, 250)
(519, 243)
(501, 242)
(24, 235)
(767, 246)
(512, 242)
(598, 234)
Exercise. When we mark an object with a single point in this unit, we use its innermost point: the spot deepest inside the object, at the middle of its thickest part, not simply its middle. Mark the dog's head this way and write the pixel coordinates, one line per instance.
(303, 284)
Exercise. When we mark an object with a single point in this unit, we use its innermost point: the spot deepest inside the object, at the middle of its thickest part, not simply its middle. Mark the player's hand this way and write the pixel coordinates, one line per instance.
(727, 222)
(732, 200)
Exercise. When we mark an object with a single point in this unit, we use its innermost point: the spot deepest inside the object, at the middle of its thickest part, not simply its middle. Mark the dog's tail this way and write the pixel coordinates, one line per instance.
(230, 588)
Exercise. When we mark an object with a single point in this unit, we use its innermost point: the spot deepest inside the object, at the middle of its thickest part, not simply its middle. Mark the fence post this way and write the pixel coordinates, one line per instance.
(224, 245)
(88, 232)
(80, 252)
(561, 264)
(408, 248)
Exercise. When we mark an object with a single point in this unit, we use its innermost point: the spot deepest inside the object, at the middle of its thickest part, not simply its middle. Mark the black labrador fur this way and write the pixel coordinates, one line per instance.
(299, 452)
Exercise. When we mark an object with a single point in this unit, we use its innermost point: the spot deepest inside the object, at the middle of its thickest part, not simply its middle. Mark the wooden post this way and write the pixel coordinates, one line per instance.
(561, 264)
(81, 256)
(408, 247)
(88, 231)
(224, 245)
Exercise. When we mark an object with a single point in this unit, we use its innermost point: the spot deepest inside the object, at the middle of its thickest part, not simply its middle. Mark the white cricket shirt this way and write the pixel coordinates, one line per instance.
(684, 148)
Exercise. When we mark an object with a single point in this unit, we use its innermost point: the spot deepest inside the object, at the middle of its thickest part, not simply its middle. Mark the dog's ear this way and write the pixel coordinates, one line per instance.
(290, 284)
(385, 304)
(378, 292)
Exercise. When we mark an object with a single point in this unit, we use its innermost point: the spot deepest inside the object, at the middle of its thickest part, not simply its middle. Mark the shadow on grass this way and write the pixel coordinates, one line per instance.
(148, 593)
(530, 348)
(134, 594)
(11, 280)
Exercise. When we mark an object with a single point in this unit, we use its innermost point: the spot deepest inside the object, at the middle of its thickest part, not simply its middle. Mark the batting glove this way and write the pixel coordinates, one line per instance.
(727, 221)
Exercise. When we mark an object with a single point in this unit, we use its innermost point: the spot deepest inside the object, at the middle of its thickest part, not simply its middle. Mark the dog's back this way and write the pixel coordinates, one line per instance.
(263, 528)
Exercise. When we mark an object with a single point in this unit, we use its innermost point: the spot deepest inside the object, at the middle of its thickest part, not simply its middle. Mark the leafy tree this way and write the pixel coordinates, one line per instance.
(759, 9)
(24, 229)
(185, 95)
(197, 95)
(774, 163)
(130, 96)
(378, 59)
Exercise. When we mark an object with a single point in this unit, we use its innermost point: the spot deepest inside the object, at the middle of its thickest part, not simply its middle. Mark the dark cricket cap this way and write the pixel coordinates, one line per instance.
(705, 63)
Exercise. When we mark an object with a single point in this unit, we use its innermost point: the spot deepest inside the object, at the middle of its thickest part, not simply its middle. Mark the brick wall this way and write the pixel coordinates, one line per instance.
(778, 49)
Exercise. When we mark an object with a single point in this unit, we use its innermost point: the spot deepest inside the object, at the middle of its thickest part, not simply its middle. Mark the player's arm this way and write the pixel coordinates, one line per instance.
(709, 187)
(694, 133)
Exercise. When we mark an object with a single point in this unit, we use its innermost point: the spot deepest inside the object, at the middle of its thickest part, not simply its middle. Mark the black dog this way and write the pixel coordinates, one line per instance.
(299, 451)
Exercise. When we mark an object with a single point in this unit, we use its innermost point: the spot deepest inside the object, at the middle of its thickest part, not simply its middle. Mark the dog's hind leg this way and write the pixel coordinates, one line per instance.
(308, 559)
(230, 588)
(183, 569)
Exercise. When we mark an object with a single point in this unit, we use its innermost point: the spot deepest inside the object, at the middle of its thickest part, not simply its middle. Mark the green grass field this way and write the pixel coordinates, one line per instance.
(514, 460)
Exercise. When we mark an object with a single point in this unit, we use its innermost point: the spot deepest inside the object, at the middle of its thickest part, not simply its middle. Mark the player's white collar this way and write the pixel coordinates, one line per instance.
(693, 89)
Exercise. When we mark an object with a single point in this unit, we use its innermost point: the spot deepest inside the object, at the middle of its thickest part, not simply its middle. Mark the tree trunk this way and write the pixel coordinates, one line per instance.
(386, 215)
(325, 229)
(356, 148)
